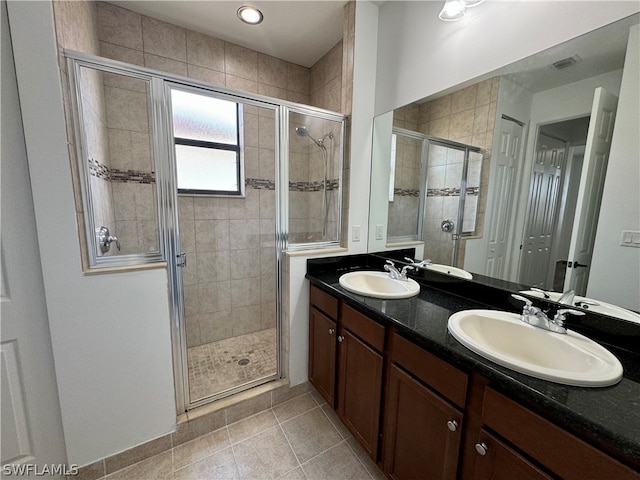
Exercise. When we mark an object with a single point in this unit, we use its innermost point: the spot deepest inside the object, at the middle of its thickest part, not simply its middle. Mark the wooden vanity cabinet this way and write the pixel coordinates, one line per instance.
(346, 365)
(498, 461)
(438, 422)
(544, 443)
(323, 332)
(423, 417)
(360, 364)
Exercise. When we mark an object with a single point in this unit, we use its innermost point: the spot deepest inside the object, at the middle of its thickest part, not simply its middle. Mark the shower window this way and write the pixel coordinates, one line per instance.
(207, 144)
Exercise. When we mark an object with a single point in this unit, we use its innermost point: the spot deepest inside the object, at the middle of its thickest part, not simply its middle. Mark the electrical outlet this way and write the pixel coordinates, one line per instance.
(355, 236)
(379, 232)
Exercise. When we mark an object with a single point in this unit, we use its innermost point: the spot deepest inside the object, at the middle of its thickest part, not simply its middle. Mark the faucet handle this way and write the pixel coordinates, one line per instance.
(405, 269)
(560, 315)
(527, 302)
(389, 262)
(557, 324)
(544, 293)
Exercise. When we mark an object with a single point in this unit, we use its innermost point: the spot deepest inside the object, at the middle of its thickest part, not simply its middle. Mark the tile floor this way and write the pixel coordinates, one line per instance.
(298, 439)
(218, 366)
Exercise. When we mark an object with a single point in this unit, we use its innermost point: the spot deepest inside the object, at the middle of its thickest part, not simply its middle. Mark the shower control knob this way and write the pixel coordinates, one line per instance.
(447, 225)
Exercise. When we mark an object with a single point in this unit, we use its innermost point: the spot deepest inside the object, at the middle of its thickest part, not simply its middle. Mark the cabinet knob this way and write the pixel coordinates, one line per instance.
(482, 448)
(332, 331)
(340, 338)
(452, 425)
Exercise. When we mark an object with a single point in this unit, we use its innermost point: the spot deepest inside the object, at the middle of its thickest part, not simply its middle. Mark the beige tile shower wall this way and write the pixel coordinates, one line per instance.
(466, 116)
(130, 37)
(403, 210)
(326, 80)
(229, 281)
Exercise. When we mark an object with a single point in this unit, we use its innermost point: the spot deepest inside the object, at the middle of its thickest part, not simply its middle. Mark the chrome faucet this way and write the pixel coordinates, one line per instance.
(420, 264)
(567, 297)
(395, 273)
(536, 317)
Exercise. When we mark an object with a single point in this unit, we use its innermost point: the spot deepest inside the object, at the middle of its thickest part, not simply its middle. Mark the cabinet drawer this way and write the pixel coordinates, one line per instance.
(323, 302)
(365, 328)
(441, 376)
(566, 455)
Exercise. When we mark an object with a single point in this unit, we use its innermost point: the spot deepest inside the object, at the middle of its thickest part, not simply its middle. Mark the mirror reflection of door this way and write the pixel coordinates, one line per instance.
(544, 193)
(506, 160)
(564, 198)
(596, 159)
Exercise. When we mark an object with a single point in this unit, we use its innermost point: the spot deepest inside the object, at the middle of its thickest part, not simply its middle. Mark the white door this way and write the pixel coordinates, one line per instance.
(541, 211)
(596, 158)
(507, 159)
(31, 420)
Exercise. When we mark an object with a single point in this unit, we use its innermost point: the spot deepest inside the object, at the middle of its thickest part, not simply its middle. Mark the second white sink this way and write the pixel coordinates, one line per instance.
(592, 305)
(570, 359)
(449, 270)
(378, 285)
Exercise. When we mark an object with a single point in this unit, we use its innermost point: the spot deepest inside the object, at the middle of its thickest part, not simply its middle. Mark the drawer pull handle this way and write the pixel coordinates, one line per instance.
(482, 448)
(452, 425)
(332, 331)
(340, 338)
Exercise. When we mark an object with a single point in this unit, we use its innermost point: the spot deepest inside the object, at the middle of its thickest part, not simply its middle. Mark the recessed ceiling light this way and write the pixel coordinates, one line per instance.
(250, 15)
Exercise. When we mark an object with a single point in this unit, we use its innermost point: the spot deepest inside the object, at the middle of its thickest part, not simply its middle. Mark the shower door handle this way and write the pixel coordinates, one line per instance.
(182, 259)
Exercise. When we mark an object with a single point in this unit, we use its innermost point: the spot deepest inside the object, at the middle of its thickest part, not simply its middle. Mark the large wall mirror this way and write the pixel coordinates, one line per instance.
(544, 128)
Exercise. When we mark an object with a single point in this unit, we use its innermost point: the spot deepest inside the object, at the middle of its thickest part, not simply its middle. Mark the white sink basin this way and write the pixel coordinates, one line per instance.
(378, 285)
(570, 358)
(449, 270)
(601, 307)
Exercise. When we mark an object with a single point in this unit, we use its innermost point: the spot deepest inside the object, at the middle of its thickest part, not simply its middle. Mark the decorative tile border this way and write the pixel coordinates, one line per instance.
(312, 186)
(406, 192)
(99, 170)
(103, 172)
(451, 192)
(260, 184)
(132, 176)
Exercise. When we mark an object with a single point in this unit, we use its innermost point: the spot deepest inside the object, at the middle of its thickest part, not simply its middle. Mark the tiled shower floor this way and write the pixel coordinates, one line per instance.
(218, 366)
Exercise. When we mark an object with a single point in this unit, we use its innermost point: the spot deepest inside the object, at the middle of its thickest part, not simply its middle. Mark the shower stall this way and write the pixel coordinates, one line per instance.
(217, 183)
(434, 193)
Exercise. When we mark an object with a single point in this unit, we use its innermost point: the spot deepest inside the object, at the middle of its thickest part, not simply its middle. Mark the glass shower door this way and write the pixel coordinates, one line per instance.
(452, 200)
(226, 241)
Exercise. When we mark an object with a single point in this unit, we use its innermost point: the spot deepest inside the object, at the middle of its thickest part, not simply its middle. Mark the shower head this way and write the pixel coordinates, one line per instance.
(304, 132)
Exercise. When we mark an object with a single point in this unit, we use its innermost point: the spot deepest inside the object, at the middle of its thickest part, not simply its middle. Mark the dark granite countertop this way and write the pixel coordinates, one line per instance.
(606, 417)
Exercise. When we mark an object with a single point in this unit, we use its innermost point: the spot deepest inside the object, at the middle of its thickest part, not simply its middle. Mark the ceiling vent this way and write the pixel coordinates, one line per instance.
(566, 62)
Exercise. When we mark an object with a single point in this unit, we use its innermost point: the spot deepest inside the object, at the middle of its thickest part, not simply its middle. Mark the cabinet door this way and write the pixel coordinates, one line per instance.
(422, 432)
(496, 461)
(322, 354)
(359, 390)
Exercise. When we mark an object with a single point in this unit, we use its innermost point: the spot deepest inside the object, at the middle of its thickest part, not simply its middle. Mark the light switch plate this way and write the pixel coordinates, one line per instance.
(379, 232)
(630, 238)
(356, 233)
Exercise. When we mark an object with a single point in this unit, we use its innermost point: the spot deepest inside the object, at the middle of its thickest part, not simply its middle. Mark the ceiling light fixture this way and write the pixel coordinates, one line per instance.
(455, 9)
(250, 15)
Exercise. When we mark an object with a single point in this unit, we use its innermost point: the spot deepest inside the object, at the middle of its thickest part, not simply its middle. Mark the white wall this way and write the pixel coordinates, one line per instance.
(419, 55)
(620, 208)
(364, 68)
(110, 333)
